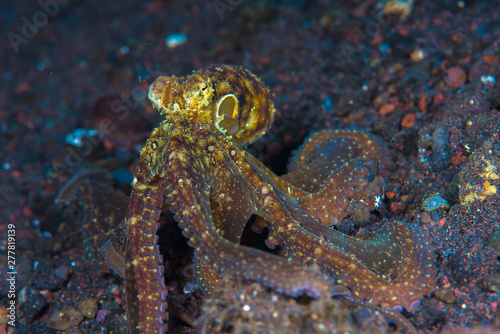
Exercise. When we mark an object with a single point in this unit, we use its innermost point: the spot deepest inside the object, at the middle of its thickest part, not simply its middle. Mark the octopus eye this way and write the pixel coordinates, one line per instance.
(227, 106)
(203, 86)
(227, 114)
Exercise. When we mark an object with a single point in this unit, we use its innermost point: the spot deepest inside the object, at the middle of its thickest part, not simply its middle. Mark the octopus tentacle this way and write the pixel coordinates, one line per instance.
(394, 257)
(331, 166)
(145, 289)
(223, 256)
(385, 259)
(378, 267)
(114, 254)
(102, 224)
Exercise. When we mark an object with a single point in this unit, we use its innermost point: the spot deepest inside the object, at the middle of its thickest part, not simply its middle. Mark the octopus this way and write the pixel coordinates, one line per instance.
(195, 163)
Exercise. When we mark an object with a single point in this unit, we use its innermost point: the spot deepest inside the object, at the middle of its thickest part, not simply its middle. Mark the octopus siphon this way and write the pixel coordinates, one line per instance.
(195, 161)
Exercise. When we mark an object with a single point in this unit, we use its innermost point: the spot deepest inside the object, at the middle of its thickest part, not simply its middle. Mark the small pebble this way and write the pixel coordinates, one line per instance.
(425, 218)
(102, 315)
(47, 277)
(494, 240)
(440, 147)
(88, 307)
(386, 109)
(77, 137)
(327, 105)
(115, 290)
(174, 40)
(31, 303)
(492, 283)
(110, 305)
(360, 213)
(455, 77)
(188, 288)
(62, 272)
(4, 317)
(434, 202)
(446, 295)
(417, 54)
(398, 208)
(410, 120)
(488, 79)
(65, 319)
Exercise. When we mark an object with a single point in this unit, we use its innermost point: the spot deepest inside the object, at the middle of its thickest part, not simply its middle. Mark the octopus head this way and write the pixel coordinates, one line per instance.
(181, 98)
(229, 98)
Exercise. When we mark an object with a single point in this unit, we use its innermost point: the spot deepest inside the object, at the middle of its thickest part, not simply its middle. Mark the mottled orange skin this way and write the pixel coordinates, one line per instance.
(195, 160)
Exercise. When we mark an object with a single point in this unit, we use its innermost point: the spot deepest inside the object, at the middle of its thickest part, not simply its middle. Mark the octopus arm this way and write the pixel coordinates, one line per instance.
(390, 267)
(145, 289)
(189, 196)
(104, 211)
